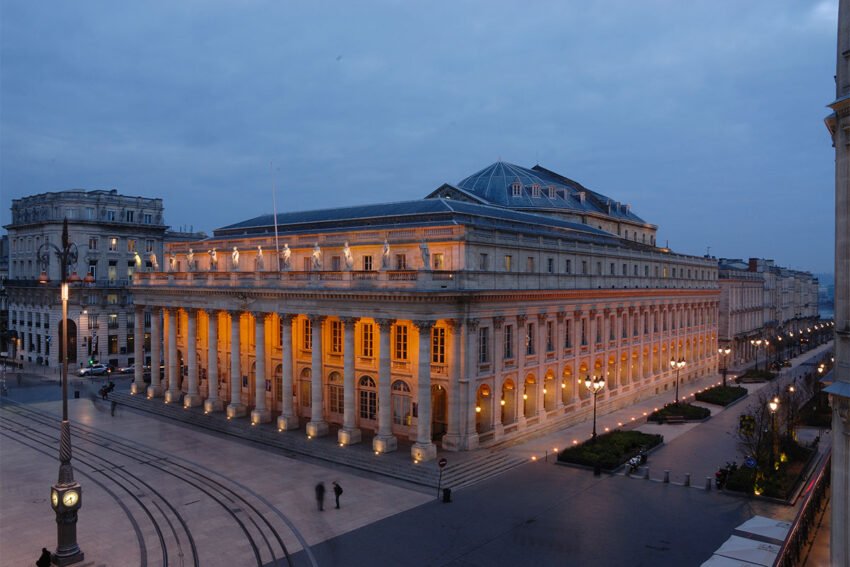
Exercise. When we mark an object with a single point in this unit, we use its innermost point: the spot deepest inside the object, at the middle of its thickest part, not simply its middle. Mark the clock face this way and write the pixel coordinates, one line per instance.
(70, 498)
(54, 498)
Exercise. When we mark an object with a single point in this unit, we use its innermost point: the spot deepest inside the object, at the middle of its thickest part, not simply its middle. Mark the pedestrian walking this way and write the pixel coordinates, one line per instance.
(337, 493)
(320, 496)
(44, 559)
(112, 407)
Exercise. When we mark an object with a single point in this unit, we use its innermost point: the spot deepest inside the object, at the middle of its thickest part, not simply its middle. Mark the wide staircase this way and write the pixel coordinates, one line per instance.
(463, 469)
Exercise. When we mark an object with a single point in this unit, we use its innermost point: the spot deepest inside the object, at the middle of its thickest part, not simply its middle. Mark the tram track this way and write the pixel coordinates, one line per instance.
(259, 523)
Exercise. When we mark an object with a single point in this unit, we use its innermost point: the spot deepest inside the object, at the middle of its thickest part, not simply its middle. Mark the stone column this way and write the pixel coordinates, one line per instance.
(424, 449)
(139, 351)
(287, 419)
(173, 393)
(559, 359)
(155, 389)
(349, 433)
(468, 386)
(261, 414)
(452, 439)
(193, 397)
(522, 352)
(236, 408)
(317, 426)
(213, 402)
(384, 441)
(541, 363)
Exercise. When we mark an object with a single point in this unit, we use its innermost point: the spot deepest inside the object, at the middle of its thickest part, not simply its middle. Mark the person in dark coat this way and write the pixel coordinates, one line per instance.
(337, 493)
(44, 560)
(320, 496)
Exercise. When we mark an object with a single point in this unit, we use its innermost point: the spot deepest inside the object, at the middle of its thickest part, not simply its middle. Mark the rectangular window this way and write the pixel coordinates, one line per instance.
(400, 343)
(611, 269)
(149, 245)
(112, 271)
(336, 337)
(568, 334)
(584, 267)
(568, 267)
(508, 261)
(131, 245)
(646, 271)
(93, 268)
(147, 320)
(336, 264)
(367, 336)
(438, 345)
(483, 344)
(509, 342)
(307, 334)
(550, 336)
(635, 271)
(599, 329)
(112, 321)
(131, 342)
(529, 339)
(611, 326)
(92, 242)
(439, 263)
(550, 265)
(92, 320)
(625, 270)
(148, 218)
(635, 323)
(113, 244)
(110, 216)
(367, 263)
(624, 323)
(584, 332)
(482, 262)
(529, 264)
(308, 264)
(112, 299)
(90, 213)
(131, 215)
(113, 344)
(598, 268)
(400, 262)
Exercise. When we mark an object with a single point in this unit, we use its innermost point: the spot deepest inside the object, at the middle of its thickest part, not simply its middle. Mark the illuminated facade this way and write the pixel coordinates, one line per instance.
(442, 321)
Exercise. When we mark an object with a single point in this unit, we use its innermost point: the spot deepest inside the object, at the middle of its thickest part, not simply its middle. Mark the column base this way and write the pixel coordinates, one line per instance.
(317, 428)
(384, 444)
(348, 436)
(236, 410)
(74, 556)
(154, 391)
(172, 396)
(451, 442)
(192, 401)
(498, 431)
(213, 405)
(287, 423)
(136, 389)
(261, 416)
(423, 452)
(471, 442)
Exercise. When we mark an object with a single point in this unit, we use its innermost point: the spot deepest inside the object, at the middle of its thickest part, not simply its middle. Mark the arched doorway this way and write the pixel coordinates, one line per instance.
(277, 398)
(439, 403)
(305, 391)
(367, 403)
(549, 392)
(583, 392)
(483, 409)
(402, 408)
(72, 342)
(508, 402)
(567, 386)
(336, 398)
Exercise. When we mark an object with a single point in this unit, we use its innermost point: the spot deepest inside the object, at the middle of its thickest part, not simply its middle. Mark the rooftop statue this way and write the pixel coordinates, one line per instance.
(316, 257)
(285, 257)
(260, 262)
(349, 259)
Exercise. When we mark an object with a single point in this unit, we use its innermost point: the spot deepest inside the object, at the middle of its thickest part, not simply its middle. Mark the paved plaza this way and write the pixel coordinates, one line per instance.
(534, 514)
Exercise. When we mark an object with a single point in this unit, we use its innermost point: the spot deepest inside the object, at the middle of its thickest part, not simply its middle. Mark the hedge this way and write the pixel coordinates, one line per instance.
(610, 450)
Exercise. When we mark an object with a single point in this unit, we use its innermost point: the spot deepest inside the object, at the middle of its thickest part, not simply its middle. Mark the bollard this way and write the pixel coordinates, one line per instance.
(687, 479)
(646, 474)
(666, 476)
(708, 484)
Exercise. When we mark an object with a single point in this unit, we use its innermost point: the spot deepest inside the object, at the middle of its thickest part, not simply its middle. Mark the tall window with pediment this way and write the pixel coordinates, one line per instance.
(368, 398)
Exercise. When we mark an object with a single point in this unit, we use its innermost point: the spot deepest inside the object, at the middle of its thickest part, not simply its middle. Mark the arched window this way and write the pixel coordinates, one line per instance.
(368, 398)
(402, 414)
(335, 393)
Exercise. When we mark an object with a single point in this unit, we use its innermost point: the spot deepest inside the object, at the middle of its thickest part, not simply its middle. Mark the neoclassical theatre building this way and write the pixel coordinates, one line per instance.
(463, 319)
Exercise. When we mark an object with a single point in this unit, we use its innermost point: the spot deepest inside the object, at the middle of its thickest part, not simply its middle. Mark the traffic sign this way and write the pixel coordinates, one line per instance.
(750, 463)
(442, 462)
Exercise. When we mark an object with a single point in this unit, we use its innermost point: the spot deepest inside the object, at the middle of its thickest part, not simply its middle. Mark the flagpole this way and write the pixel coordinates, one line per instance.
(274, 209)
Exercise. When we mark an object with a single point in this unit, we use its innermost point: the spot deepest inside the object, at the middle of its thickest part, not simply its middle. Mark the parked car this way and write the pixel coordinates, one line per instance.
(132, 369)
(94, 370)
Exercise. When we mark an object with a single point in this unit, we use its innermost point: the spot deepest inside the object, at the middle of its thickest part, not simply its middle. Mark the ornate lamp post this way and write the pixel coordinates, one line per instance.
(773, 405)
(789, 429)
(65, 495)
(595, 385)
(756, 343)
(677, 365)
(724, 357)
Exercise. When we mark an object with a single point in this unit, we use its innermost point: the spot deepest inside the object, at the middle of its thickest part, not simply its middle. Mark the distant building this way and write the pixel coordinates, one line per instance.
(760, 301)
(115, 236)
(468, 317)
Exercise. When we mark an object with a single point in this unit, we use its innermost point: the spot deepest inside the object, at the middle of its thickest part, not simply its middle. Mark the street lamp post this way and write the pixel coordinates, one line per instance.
(65, 495)
(789, 429)
(773, 405)
(756, 343)
(595, 385)
(724, 354)
(677, 365)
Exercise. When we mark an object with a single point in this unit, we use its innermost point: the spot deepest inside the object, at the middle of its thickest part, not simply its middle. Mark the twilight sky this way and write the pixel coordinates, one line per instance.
(705, 116)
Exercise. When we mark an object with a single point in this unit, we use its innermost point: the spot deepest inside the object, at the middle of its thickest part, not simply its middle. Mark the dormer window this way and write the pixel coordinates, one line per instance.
(535, 190)
(581, 196)
(552, 193)
(516, 189)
